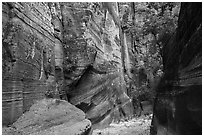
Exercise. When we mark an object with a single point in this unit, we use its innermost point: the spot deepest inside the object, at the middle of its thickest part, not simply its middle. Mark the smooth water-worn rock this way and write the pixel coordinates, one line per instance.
(92, 70)
(51, 117)
(178, 104)
(27, 57)
(61, 51)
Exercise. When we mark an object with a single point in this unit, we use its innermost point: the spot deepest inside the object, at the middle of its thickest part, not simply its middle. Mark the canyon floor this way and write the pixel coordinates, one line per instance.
(135, 126)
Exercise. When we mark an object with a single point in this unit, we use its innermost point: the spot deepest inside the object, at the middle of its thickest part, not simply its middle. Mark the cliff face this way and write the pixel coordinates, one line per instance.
(27, 57)
(92, 65)
(63, 52)
(178, 104)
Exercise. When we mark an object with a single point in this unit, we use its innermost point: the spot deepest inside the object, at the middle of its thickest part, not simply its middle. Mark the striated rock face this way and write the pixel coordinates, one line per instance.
(92, 66)
(51, 117)
(27, 57)
(61, 51)
(178, 104)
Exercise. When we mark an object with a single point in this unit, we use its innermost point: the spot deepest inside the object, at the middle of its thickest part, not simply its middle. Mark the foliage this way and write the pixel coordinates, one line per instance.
(148, 26)
(152, 26)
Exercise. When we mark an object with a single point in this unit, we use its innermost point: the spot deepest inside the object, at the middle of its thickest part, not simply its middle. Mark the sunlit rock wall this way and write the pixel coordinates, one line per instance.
(27, 57)
(92, 78)
(61, 51)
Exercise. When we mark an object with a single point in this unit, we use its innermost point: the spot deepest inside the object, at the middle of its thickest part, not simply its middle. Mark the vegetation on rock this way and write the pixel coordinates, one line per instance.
(109, 59)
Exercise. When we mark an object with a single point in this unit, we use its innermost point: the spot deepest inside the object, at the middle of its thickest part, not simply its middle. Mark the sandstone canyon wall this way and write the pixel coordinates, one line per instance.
(59, 51)
(27, 57)
(178, 104)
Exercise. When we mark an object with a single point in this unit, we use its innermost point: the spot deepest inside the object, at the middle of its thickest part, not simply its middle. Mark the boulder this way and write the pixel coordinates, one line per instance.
(51, 117)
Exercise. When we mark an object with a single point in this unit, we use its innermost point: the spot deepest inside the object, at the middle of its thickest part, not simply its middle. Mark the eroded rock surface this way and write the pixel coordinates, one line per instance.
(92, 66)
(51, 117)
(27, 57)
(178, 104)
(61, 51)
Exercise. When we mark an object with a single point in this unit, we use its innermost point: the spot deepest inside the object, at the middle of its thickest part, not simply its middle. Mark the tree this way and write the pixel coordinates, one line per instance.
(149, 26)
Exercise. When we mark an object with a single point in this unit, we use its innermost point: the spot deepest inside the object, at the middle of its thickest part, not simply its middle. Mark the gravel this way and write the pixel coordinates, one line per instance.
(135, 126)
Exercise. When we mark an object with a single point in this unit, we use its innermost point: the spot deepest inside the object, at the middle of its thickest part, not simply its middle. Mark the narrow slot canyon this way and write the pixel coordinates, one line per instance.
(101, 68)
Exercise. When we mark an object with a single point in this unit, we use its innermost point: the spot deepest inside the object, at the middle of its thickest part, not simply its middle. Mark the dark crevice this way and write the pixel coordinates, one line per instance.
(85, 106)
(98, 119)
